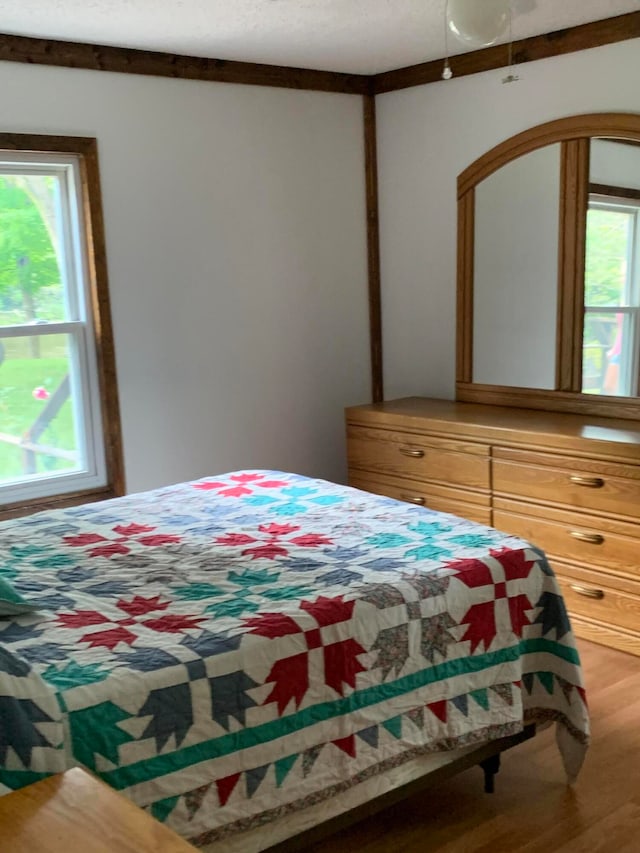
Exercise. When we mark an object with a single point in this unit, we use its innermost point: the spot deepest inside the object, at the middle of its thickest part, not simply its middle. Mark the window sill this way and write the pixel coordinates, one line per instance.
(15, 510)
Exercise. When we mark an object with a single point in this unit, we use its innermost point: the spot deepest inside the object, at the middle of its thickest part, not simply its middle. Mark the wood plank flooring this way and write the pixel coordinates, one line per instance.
(532, 810)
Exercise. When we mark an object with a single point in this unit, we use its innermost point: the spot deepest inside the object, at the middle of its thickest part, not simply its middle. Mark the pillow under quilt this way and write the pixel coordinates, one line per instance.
(11, 602)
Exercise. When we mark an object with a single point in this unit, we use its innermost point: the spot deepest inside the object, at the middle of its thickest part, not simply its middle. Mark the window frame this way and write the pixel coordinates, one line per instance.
(103, 391)
(626, 200)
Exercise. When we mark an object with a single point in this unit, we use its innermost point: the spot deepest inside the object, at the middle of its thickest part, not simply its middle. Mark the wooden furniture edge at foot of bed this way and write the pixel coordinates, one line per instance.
(486, 756)
(75, 811)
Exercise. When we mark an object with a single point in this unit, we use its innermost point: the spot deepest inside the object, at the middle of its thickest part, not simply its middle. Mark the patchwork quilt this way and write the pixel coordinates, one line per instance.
(229, 650)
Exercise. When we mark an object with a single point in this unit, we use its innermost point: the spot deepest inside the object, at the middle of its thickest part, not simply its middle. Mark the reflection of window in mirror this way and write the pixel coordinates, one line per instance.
(611, 342)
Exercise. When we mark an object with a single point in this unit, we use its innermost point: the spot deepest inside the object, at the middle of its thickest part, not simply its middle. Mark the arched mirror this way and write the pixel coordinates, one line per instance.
(549, 269)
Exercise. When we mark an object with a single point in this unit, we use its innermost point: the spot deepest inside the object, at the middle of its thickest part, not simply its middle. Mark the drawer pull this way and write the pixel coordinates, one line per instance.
(592, 538)
(588, 593)
(413, 500)
(589, 482)
(409, 451)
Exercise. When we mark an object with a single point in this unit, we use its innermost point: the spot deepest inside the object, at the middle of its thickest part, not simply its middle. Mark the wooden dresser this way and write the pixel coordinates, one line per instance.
(570, 484)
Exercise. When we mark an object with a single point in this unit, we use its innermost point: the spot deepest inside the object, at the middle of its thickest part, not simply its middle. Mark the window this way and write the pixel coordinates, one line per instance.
(59, 428)
(611, 340)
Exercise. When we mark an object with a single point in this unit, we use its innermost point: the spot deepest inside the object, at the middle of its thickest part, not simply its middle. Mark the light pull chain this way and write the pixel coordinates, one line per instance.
(447, 73)
(511, 77)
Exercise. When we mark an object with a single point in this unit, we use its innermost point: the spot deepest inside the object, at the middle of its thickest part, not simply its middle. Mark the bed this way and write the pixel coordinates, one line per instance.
(249, 654)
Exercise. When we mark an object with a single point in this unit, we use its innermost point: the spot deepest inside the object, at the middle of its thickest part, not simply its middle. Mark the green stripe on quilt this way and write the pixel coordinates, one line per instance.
(540, 645)
(152, 768)
(15, 779)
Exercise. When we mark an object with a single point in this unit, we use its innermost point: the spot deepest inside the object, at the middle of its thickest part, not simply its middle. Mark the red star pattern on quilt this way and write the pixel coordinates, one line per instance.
(246, 484)
(136, 608)
(126, 535)
(273, 544)
(291, 675)
(481, 618)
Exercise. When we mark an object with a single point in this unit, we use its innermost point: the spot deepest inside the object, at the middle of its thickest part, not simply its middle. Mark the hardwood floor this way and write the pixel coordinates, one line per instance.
(532, 810)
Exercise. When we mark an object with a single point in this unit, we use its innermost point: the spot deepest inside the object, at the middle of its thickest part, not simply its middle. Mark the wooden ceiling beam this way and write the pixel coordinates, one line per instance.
(95, 57)
(582, 37)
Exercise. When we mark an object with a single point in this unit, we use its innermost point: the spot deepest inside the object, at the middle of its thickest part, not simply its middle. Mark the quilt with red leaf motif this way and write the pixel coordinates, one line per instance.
(228, 650)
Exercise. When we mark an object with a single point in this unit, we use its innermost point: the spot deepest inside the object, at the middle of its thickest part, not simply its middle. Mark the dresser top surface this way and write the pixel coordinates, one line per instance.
(494, 421)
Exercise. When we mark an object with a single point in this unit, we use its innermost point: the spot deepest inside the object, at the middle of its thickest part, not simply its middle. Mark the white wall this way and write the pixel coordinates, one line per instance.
(614, 164)
(235, 227)
(426, 136)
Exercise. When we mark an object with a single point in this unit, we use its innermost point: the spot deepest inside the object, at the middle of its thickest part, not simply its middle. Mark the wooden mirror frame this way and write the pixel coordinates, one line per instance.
(574, 135)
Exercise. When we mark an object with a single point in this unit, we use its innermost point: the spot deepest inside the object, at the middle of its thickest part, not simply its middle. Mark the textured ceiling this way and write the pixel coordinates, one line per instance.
(358, 36)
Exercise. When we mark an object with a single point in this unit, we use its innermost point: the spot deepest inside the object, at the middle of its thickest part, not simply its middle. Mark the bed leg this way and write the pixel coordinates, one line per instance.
(490, 767)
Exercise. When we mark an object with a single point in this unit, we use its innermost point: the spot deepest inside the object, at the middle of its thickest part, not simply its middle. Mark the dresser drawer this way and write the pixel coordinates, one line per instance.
(589, 595)
(569, 481)
(469, 505)
(418, 457)
(573, 536)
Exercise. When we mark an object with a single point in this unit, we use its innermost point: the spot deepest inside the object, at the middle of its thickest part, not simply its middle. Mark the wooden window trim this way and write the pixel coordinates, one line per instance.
(574, 201)
(86, 149)
(614, 192)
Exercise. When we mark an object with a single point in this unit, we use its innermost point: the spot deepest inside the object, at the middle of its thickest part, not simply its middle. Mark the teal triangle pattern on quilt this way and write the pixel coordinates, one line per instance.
(481, 697)
(387, 540)
(546, 679)
(161, 809)
(284, 593)
(253, 577)
(283, 766)
(103, 720)
(260, 500)
(74, 674)
(233, 607)
(198, 591)
(394, 726)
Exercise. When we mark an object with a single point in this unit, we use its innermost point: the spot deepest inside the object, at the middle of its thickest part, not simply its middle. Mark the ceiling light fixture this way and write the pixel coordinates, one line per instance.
(477, 23)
